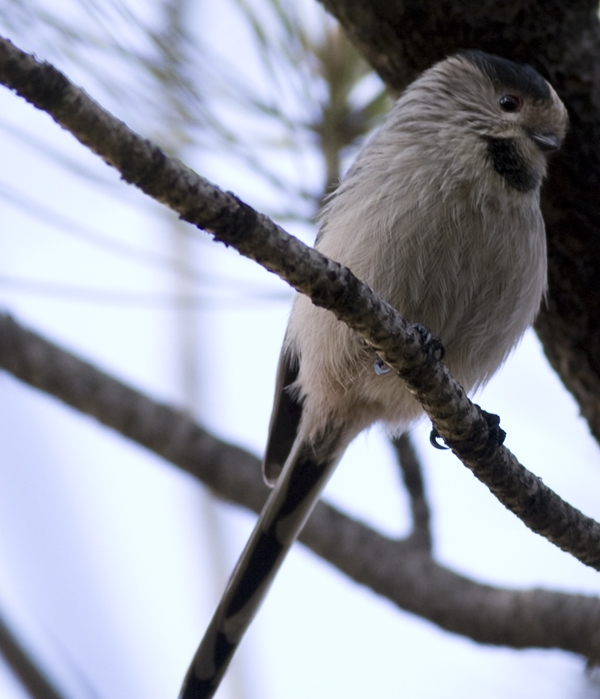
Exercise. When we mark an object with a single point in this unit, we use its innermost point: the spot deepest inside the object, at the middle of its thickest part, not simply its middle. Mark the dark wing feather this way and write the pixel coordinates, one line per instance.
(285, 418)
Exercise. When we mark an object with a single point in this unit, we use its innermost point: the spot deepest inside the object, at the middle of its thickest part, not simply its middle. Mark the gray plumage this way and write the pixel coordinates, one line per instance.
(440, 215)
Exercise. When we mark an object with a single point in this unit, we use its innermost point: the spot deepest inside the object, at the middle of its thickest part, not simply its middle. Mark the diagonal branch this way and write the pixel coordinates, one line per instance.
(398, 570)
(399, 343)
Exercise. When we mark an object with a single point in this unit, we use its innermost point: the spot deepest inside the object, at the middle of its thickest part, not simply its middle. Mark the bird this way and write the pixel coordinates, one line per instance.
(440, 215)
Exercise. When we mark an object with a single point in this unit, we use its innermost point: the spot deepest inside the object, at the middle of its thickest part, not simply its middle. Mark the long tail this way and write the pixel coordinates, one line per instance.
(296, 492)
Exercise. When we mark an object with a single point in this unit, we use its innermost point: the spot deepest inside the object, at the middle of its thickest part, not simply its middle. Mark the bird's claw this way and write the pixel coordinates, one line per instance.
(434, 435)
(431, 342)
(496, 433)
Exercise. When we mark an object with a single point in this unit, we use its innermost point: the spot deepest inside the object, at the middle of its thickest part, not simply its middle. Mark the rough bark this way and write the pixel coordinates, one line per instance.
(561, 38)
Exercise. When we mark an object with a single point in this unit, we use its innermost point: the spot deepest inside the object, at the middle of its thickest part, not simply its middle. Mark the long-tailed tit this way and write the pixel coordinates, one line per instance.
(440, 214)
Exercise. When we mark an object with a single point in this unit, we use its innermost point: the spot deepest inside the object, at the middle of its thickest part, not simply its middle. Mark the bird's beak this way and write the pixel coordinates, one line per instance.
(546, 141)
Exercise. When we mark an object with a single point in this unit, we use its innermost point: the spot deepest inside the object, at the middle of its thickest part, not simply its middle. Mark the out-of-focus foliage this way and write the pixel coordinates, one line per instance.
(266, 97)
(322, 92)
(289, 120)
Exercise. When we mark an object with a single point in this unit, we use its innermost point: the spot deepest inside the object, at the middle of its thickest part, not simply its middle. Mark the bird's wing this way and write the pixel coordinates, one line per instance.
(285, 417)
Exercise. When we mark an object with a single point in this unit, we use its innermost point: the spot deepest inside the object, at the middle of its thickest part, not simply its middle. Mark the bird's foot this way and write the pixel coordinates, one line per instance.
(496, 433)
(434, 435)
(431, 342)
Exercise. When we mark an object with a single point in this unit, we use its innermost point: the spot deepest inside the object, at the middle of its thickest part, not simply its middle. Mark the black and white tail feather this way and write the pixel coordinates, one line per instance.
(440, 215)
(300, 467)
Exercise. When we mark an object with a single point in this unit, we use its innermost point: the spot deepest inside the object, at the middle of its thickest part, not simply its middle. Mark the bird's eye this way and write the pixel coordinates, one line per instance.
(510, 103)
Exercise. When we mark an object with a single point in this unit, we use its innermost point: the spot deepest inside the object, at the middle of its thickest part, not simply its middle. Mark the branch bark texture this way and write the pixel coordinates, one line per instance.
(328, 284)
(401, 570)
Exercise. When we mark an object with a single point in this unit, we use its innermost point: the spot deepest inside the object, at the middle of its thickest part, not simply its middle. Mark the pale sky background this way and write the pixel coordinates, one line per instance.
(107, 552)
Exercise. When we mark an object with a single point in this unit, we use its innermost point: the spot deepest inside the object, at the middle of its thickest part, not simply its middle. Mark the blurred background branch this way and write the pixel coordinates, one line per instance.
(401, 569)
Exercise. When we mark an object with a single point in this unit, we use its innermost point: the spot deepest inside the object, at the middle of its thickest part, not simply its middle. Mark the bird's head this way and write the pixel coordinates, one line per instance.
(483, 104)
(514, 110)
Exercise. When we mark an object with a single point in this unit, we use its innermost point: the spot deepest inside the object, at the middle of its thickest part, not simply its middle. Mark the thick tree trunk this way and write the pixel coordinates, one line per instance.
(561, 38)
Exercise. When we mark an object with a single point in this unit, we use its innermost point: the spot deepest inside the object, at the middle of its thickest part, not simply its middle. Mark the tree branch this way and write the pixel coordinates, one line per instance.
(413, 481)
(399, 343)
(399, 570)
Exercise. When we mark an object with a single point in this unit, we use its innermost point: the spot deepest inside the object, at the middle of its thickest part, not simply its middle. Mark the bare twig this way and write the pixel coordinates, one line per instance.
(398, 570)
(413, 481)
(399, 343)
